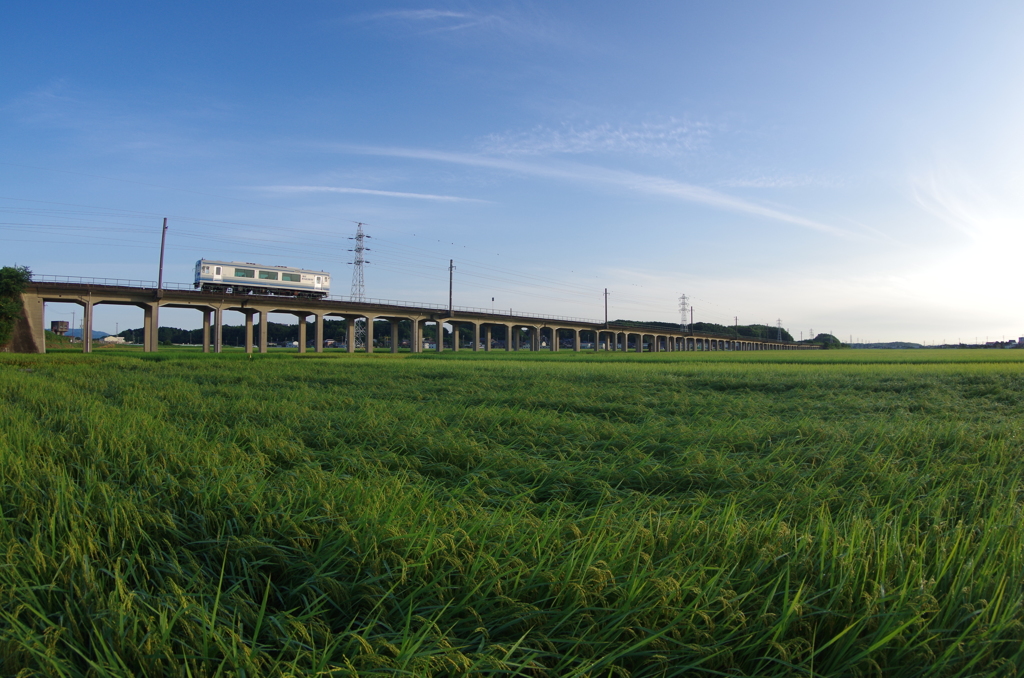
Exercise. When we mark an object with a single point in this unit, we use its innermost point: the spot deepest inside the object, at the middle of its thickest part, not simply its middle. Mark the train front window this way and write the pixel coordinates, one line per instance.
(245, 273)
(291, 277)
(268, 275)
(206, 269)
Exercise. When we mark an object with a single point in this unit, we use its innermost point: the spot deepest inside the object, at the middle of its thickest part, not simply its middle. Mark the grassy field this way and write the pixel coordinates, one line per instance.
(832, 513)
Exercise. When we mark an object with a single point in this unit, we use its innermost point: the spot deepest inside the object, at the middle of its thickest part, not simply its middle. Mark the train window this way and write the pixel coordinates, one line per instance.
(291, 277)
(268, 275)
(206, 269)
(217, 272)
(318, 280)
(245, 273)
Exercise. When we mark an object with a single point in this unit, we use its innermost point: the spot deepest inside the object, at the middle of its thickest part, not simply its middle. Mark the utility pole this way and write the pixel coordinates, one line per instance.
(736, 325)
(606, 307)
(358, 287)
(778, 336)
(684, 306)
(163, 241)
(451, 273)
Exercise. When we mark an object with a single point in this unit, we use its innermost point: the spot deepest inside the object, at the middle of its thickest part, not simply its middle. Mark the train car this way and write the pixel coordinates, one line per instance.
(235, 277)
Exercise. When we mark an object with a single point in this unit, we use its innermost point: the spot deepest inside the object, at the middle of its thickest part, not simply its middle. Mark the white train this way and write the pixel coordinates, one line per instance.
(246, 278)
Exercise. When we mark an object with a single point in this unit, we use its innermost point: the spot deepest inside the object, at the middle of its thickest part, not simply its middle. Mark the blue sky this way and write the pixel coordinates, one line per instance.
(852, 167)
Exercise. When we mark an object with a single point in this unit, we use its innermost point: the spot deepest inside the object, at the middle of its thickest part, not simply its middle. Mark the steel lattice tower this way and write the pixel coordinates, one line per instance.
(684, 308)
(358, 283)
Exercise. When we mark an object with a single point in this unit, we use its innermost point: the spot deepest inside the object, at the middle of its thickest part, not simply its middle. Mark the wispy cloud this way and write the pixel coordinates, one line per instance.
(779, 180)
(959, 201)
(666, 139)
(367, 191)
(598, 175)
(509, 23)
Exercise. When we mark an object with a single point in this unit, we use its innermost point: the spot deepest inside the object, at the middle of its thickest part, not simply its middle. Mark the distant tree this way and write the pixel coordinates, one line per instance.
(828, 341)
(13, 280)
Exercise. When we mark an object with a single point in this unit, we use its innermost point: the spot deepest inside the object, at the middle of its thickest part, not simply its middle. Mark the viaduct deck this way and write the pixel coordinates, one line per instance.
(519, 331)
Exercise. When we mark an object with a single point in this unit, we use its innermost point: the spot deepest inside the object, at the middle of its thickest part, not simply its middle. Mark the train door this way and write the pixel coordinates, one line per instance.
(217, 273)
(318, 283)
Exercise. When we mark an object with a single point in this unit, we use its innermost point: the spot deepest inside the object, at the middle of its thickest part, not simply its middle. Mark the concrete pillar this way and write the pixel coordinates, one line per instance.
(264, 334)
(30, 332)
(476, 336)
(640, 343)
(554, 339)
(318, 332)
(147, 328)
(534, 338)
(455, 335)
(440, 336)
(218, 330)
(487, 339)
(508, 337)
(576, 340)
(394, 334)
(302, 331)
(206, 331)
(87, 326)
(248, 330)
(350, 334)
(369, 334)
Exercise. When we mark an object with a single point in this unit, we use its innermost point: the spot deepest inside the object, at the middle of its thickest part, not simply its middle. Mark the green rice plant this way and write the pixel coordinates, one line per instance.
(566, 514)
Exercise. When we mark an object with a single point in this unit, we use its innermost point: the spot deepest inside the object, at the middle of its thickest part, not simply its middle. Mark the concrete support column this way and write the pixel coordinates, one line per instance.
(318, 332)
(508, 337)
(640, 343)
(302, 331)
(535, 338)
(455, 335)
(147, 328)
(369, 334)
(264, 334)
(476, 336)
(248, 331)
(87, 326)
(576, 340)
(35, 317)
(218, 330)
(350, 334)
(487, 339)
(206, 331)
(440, 336)
(394, 334)
(554, 339)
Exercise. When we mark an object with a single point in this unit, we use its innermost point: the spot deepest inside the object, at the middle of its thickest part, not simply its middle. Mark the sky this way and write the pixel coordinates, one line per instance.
(852, 168)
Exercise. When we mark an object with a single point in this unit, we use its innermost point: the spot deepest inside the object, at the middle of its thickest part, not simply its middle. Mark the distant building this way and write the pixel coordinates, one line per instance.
(112, 339)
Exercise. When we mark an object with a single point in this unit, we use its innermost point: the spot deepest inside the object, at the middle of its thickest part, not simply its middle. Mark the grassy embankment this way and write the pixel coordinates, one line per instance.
(832, 513)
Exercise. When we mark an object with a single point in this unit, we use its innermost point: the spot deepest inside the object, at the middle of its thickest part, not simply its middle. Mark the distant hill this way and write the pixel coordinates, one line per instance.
(77, 333)
(890, 344)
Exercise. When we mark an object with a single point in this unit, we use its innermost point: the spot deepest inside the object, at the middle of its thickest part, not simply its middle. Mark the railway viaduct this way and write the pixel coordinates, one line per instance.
(487, 324)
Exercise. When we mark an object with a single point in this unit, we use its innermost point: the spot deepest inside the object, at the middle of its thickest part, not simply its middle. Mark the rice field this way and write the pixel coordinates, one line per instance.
(832, 513)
